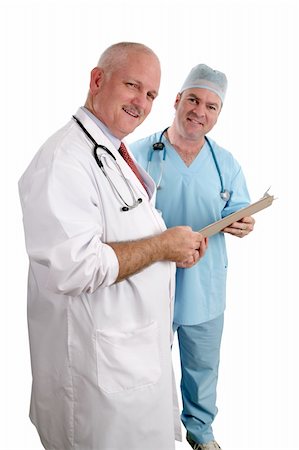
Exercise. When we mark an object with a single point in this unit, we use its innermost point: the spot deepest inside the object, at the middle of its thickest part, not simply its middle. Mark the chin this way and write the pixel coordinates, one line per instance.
(131, 128)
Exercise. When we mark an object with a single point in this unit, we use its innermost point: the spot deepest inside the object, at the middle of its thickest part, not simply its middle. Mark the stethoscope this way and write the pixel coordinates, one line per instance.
(160, 146)
(99, 159)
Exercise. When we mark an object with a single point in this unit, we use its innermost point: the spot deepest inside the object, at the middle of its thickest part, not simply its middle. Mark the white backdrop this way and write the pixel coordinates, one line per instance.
(47, 51)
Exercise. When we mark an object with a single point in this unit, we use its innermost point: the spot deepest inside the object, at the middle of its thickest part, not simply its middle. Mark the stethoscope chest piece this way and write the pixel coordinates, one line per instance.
(225, 195)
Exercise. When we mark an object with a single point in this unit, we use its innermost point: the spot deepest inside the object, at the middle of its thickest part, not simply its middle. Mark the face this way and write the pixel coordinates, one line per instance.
(123, 98)
(197, 111)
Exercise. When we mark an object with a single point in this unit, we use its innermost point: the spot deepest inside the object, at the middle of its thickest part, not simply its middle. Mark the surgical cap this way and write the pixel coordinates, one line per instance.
(202, 76)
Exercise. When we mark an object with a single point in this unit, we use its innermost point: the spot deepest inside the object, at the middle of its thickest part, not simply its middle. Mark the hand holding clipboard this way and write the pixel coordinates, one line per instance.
(219, 225)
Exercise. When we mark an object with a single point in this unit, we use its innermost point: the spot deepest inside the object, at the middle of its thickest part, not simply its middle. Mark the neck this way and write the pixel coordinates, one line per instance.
(187, 149)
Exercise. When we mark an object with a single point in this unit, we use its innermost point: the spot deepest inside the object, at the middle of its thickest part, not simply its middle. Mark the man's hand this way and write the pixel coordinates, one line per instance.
(183, 246)
(241, 228)
(197, 255)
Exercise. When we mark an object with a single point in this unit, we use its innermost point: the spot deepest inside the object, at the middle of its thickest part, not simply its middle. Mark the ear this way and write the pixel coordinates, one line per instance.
(96, 79)
(177, 100)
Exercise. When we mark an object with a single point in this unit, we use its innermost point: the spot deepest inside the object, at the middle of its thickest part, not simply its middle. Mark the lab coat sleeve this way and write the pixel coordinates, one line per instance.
(64, 228)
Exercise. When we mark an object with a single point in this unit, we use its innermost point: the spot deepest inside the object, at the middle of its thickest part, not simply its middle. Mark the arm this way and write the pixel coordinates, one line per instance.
(178, 244)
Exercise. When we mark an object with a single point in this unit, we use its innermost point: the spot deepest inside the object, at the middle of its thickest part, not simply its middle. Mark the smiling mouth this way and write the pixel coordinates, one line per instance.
(132, 113)
(197, 122)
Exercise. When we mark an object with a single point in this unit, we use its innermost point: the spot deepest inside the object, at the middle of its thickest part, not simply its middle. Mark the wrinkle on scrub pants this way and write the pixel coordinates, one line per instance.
(199, 347)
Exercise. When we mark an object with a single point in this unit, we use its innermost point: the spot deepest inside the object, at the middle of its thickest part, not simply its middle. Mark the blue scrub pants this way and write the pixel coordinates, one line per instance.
(199, 347)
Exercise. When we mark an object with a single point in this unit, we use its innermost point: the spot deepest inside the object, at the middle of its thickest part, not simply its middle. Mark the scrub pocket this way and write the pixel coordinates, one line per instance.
(128, 360)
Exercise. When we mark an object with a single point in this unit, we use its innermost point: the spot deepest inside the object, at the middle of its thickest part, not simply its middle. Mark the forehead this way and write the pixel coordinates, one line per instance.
(142, 67)
(203, 94)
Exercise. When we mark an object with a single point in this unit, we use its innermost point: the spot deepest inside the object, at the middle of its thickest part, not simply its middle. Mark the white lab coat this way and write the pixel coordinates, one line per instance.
(100, 351)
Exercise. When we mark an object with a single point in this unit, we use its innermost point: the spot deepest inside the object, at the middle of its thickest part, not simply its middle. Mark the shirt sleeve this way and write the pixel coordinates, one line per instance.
(239, 195)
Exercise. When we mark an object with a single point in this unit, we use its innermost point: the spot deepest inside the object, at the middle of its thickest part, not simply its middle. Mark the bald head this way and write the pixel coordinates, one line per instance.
(116, 55)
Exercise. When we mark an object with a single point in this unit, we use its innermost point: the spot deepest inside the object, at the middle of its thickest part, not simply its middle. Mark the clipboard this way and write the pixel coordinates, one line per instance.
(219, 225)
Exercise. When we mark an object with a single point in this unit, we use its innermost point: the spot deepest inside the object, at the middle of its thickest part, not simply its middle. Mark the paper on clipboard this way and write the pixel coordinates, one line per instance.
(219, 225)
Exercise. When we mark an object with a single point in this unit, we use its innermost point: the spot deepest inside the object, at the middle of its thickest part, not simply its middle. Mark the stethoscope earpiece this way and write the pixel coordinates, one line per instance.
(127, 208)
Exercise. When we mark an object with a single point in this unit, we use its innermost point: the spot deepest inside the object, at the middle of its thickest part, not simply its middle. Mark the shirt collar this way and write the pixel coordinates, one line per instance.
(115, 141)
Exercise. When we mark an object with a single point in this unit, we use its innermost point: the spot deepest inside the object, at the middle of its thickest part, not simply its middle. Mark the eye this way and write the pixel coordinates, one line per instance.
(151, 96)
(132, 85)
(212, 107)
(193, 100)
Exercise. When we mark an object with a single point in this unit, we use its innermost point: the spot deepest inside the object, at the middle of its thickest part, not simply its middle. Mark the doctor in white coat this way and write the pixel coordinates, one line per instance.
(101, 280)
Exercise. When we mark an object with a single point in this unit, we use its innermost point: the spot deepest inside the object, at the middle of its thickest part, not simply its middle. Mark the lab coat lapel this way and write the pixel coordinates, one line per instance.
(100, 138)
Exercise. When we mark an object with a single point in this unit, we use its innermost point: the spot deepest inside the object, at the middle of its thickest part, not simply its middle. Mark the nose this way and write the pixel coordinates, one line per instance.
(199, 109)
(141, 100)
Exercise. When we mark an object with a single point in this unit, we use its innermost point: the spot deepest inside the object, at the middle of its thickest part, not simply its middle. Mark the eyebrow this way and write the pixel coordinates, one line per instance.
(198, 98)
(154, 92)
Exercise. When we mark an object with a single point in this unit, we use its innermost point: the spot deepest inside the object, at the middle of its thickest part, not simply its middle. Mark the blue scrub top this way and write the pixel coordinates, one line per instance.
(191, 196)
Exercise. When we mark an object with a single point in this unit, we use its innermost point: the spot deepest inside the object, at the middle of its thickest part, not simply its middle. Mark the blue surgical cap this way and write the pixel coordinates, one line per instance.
(202, 76)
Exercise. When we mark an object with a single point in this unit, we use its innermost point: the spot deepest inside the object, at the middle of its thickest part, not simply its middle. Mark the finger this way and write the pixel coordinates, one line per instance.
(185, 265)
(199, 238)
(249, 220)
(239, 232)
(197, 255)
(202, 248)
(237, 225)
(235, 231)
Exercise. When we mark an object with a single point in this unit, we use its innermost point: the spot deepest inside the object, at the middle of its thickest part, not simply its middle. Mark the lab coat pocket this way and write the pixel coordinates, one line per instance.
(128, 360)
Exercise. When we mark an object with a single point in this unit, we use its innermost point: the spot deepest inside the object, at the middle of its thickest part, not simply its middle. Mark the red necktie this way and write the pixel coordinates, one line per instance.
(125, 154)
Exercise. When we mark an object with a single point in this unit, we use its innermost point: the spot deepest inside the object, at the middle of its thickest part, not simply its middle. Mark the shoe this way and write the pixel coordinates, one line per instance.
(212, 445)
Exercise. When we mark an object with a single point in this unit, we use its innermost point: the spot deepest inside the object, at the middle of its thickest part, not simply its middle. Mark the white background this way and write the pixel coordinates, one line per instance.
(47, 51)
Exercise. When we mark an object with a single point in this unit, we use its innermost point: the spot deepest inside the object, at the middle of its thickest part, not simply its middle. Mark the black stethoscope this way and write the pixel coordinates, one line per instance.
(99, 159)
(160, 146)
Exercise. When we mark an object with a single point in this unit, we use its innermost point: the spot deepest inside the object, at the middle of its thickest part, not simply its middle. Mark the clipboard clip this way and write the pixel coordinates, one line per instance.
(266, 194)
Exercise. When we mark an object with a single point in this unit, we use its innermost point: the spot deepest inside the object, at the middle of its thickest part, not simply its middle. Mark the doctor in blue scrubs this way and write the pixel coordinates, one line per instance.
(198, 182)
